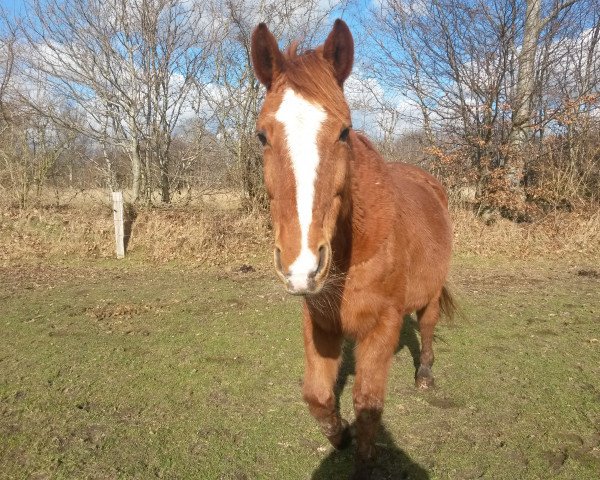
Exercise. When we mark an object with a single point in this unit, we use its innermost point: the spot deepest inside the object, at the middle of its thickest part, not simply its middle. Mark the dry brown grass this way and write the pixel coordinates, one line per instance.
(559, 234)
(213, 234)
(204, 235)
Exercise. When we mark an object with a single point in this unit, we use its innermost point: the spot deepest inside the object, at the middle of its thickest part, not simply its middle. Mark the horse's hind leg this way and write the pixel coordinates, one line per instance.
(322, 350)
(428, 318)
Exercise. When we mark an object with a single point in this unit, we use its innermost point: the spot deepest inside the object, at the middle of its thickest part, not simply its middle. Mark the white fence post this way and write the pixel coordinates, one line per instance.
(117, 198)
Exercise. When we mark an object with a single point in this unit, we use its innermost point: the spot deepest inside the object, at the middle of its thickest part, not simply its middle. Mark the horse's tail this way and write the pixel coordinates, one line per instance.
(448, 306)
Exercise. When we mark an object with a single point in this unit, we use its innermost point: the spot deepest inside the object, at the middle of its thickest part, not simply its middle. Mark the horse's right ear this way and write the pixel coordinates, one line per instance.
(338, 49)
(267, 59)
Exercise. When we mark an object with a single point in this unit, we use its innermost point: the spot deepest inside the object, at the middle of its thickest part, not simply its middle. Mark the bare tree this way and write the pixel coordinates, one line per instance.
(455, 75)
(7, 61)
(533, 25)
(175, 58)
(128, 67)
(482, 74)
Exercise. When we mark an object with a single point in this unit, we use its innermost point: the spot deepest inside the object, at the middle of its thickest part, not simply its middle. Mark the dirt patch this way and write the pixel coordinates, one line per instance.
(584, 450)
(222, 360)
(588, 273)
(444, 403)
(556, 459)
(546, 332)
(18, 277)
(473, 280)
(218, 397)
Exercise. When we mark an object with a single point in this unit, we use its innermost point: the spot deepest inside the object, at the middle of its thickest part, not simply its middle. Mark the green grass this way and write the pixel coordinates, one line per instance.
(127, 370)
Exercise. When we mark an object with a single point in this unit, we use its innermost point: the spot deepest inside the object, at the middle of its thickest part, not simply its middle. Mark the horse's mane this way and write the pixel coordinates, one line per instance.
(366, 142)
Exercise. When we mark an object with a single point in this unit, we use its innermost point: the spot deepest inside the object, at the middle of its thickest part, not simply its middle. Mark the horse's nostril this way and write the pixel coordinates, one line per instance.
(322, 260)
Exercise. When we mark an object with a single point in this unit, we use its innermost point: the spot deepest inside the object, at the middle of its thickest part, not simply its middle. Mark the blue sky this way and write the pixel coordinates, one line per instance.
(14, 8)
(12, 5)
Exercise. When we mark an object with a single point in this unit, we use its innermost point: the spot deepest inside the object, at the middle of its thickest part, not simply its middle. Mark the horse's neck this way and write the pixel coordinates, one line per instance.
(372, 209)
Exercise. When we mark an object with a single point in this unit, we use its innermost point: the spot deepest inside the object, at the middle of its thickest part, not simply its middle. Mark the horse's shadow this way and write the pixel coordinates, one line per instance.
(392, 462)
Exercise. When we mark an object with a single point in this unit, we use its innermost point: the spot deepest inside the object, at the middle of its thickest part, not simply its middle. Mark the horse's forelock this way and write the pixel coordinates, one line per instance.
(309, 74)
(292, 50)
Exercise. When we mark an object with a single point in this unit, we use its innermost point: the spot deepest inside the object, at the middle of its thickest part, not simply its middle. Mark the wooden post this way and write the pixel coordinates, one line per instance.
(117, 198)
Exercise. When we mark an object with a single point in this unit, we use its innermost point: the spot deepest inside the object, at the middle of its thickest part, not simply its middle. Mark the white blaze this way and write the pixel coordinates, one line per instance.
(302, 121)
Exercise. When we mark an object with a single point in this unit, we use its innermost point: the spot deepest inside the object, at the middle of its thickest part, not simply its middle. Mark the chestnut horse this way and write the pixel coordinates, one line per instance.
(363, 241)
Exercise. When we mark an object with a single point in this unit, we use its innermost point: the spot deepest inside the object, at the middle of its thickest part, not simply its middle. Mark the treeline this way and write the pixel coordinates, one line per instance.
(507, 91)
(153, 95)
(498, 98)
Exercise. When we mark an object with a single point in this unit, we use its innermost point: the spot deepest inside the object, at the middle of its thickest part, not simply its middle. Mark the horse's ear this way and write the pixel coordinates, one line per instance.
(338, 49)
(267, 59)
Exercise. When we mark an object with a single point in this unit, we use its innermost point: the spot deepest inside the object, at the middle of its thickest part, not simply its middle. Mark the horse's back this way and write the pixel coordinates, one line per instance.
(405, 172)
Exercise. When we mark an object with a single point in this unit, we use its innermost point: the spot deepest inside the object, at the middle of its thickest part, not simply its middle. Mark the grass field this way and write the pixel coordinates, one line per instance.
(134, 370)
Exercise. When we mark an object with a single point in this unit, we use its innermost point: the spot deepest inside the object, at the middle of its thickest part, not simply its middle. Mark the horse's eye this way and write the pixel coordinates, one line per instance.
(344, 134)
(262, 138)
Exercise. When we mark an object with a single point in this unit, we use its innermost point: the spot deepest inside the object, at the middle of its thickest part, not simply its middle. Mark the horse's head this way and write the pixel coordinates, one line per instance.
(304, 128)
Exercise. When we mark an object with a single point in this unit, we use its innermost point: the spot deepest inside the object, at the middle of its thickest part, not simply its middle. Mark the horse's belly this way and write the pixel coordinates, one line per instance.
(364, 302)
(424, 284)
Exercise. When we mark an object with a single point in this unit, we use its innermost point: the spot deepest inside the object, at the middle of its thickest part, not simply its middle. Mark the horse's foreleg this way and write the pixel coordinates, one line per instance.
(428, 318)
(322, 351)
(374, 355)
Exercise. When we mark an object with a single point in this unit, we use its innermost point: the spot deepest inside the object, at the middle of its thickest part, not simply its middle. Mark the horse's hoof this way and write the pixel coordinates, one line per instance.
(343, 439)
(424, 383)
(424, 378)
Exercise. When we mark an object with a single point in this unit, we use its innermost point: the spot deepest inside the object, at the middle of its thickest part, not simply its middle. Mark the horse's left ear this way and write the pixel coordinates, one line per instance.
(338, 49)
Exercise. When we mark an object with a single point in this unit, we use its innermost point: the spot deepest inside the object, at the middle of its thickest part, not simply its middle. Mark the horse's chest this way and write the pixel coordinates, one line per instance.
(366, 298)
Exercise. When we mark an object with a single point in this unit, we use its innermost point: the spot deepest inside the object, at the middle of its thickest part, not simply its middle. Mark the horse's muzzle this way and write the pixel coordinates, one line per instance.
(305, 283)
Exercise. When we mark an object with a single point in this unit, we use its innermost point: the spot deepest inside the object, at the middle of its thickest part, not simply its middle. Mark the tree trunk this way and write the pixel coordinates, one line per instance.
(111, 180)
(148, 184)
(522, 114)
(165, 186)
(136, 169)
